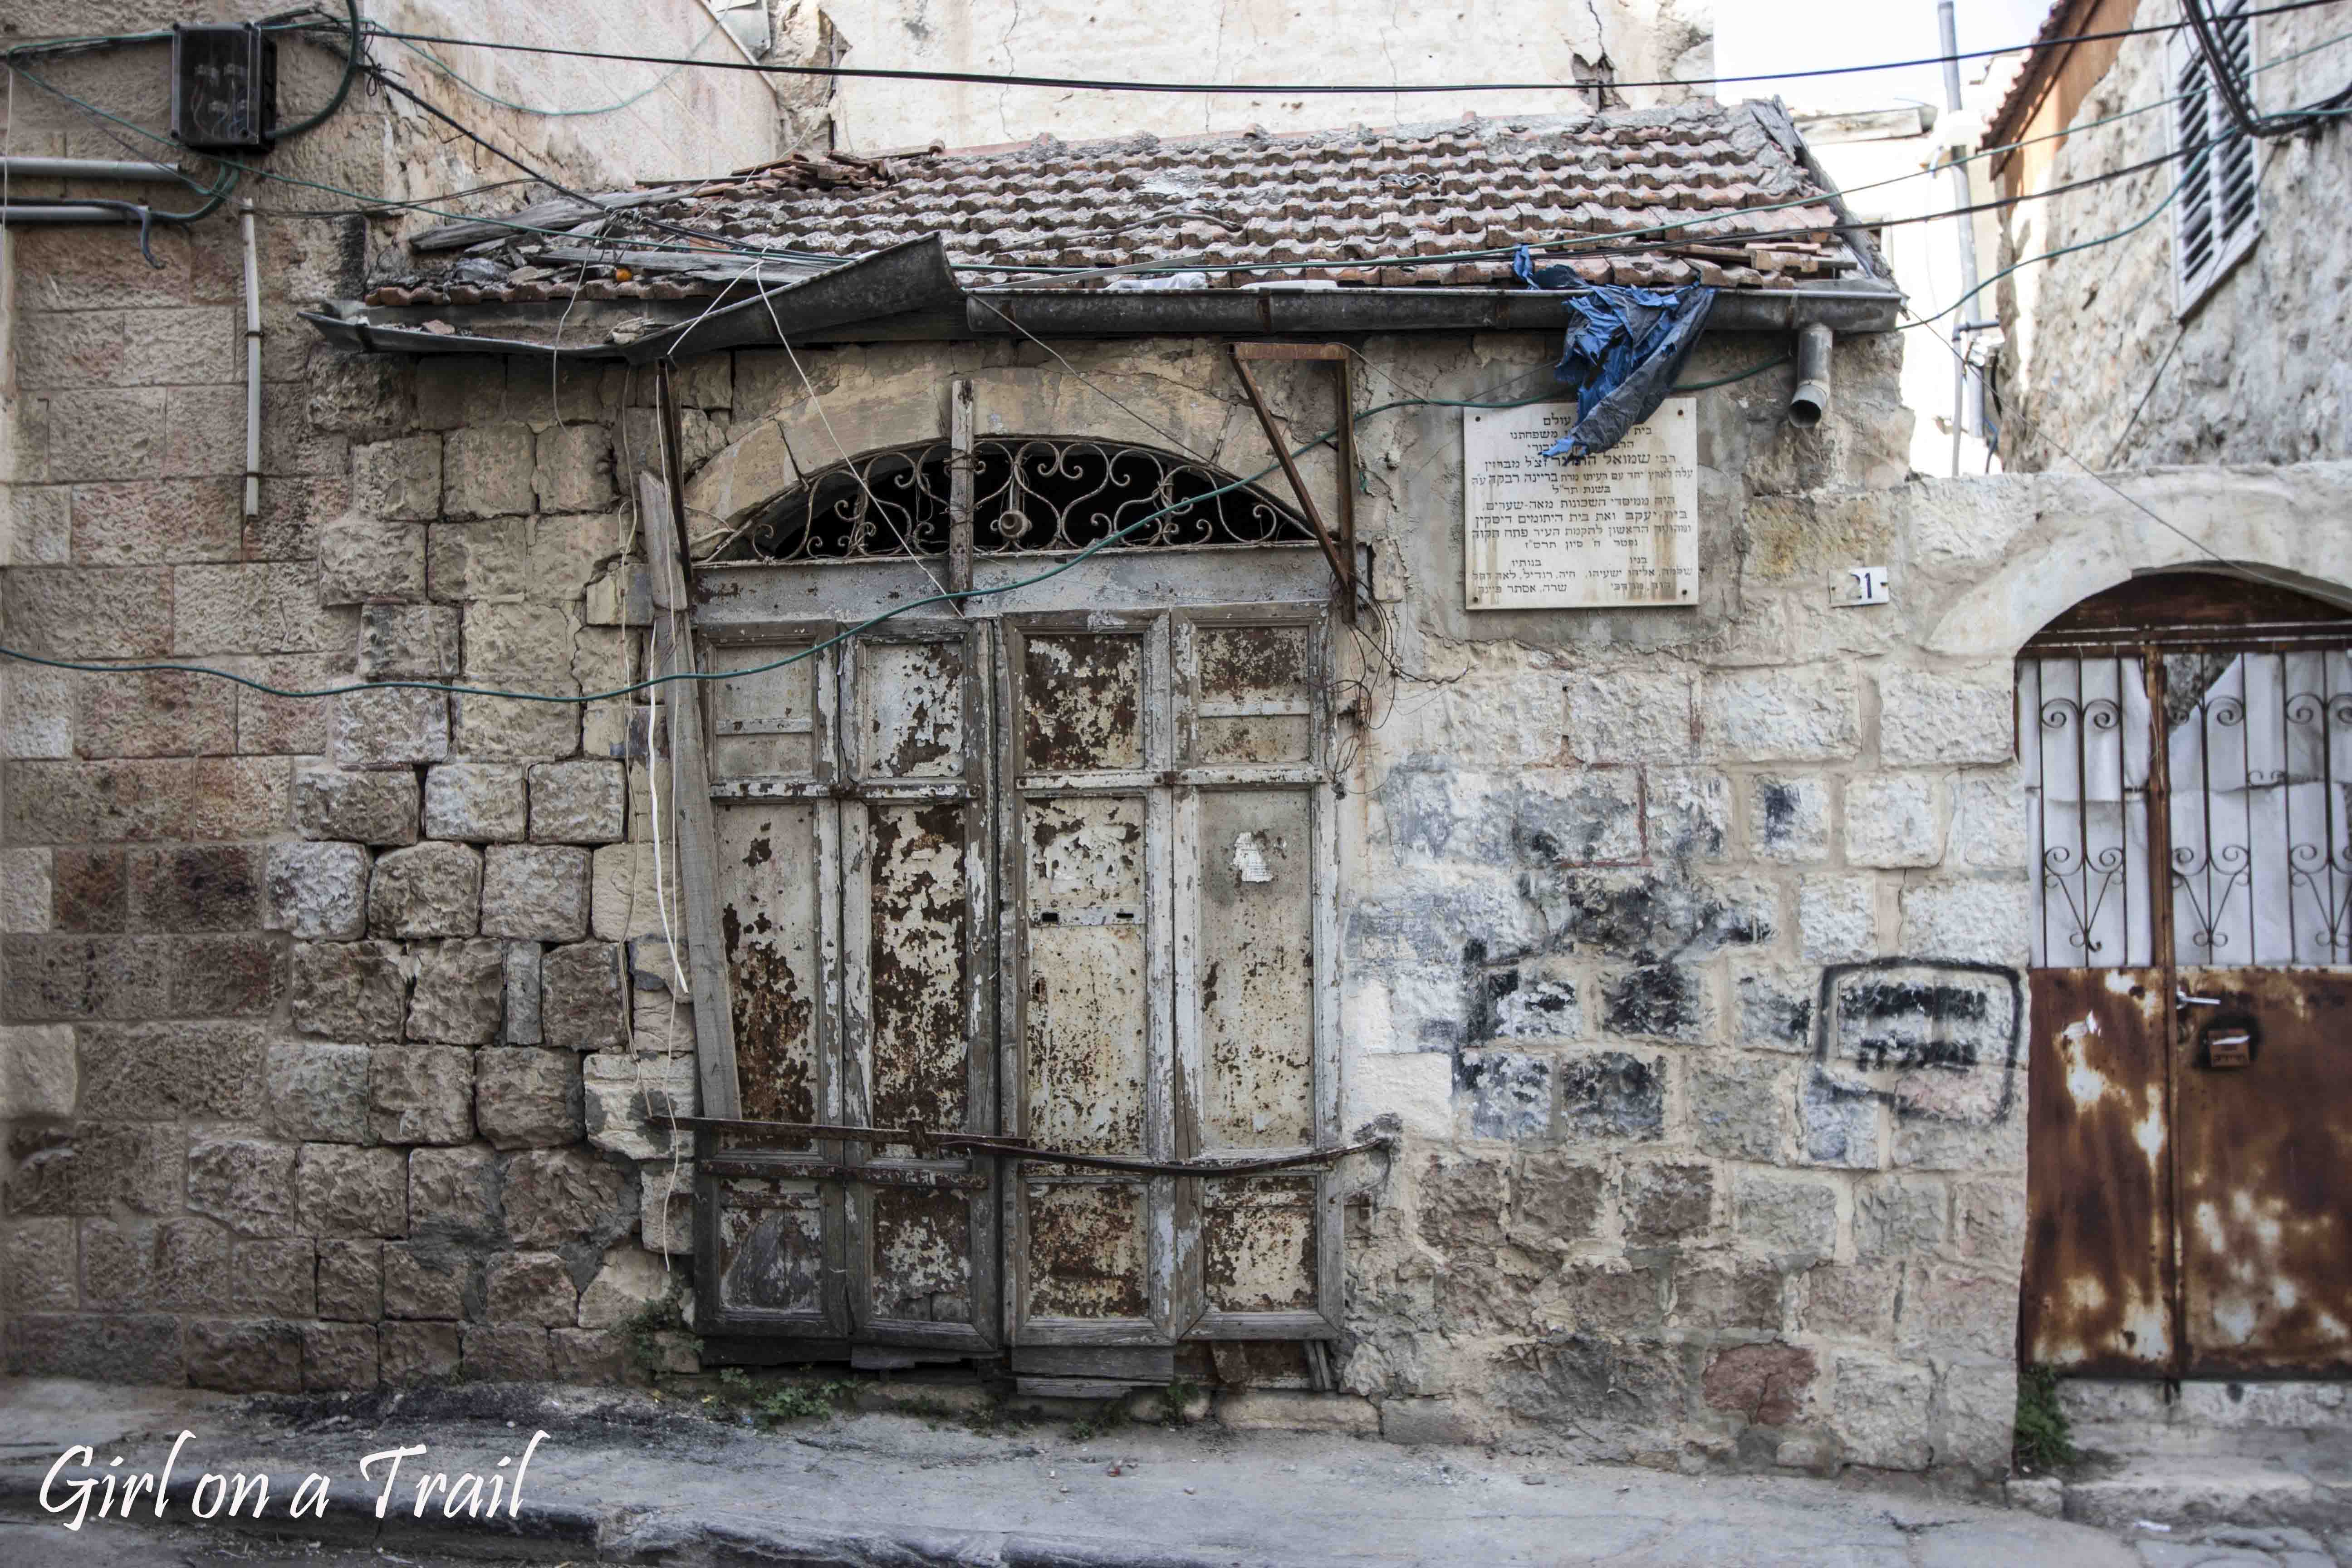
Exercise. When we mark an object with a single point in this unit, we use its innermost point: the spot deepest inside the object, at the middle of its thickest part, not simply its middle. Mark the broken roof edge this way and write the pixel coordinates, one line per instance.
(909, 292)
(1059, 314)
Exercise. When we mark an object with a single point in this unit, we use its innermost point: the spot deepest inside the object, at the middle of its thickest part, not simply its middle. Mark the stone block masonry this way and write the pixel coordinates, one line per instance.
(298, 1001)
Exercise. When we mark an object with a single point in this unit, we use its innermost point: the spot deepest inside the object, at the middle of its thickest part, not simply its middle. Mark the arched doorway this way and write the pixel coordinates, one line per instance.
(2185, 741)
(1055, 865)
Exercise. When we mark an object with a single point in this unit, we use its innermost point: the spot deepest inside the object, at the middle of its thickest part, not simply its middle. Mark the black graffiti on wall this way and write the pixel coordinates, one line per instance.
(1927, 1037)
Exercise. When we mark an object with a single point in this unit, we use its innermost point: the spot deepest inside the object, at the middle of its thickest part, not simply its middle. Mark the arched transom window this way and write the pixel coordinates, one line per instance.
(1029, 493)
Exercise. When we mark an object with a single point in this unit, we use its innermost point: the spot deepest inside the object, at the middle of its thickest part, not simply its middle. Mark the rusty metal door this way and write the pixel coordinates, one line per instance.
(856, 886)
(2189, 1098)
(1169, 995)
(2261, 751)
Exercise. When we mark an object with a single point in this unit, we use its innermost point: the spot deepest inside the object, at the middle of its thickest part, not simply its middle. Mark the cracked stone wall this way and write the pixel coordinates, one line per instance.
(2101, 359)
(1679, 948)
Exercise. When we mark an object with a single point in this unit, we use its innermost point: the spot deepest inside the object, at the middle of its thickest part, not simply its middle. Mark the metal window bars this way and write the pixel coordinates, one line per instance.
(2255, 794)
(1029, 494)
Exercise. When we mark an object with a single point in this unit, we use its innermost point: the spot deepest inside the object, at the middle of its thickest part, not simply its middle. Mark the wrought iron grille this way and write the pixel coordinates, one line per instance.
(2254, 792)
(1029, 494)
(2083, 725)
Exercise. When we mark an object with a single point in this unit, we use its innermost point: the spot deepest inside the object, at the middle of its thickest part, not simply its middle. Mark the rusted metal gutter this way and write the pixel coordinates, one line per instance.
(1277, 312)
(895, 296)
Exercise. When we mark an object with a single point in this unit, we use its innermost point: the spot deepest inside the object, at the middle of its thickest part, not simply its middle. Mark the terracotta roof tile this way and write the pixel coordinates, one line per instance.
(1344, 206)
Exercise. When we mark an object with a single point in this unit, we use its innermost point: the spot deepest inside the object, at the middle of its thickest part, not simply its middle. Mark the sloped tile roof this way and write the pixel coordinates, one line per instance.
(1384, 209)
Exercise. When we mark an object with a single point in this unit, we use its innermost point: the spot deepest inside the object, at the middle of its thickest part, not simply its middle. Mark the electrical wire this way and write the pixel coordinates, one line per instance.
(1368, 90)
(2237, 96)
(2140, 407)
(2337, 597)
(2312, 114)
(1583, 241)
(452, 688)
(352, 58)
(2131, 228)
(489, 97)
(706, 239)
(1100, 391)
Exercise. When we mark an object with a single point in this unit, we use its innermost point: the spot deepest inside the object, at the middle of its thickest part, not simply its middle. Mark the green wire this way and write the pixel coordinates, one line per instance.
(445, 69)
(2151, 216)
(448, 689)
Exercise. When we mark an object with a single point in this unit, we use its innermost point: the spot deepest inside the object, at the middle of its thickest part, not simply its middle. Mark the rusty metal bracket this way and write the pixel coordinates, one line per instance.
(1340, 553)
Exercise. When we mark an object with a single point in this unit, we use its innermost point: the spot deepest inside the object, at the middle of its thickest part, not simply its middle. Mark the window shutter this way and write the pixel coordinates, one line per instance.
(2234, 164)
(2194, 247)
(2218, 212)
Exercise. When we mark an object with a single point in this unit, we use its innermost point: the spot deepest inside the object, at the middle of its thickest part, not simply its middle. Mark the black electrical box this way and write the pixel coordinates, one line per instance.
(223, 89)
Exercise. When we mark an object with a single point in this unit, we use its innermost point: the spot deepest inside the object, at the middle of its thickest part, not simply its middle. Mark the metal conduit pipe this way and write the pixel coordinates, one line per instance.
(24, 168)
(1812, 398)
(65, 211)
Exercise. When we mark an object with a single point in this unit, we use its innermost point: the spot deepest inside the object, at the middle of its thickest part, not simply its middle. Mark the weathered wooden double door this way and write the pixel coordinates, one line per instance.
(1064, 878)
(2190, 1081)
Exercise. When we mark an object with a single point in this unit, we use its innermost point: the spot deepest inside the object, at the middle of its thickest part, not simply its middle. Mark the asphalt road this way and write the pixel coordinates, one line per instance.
(24, 1545)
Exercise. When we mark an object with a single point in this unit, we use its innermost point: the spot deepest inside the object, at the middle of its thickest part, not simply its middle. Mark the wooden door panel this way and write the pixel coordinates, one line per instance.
(1087, 1039)
(918, 1004)
(1084, 696)
(1255, 962)
(772, 920)
(2265, 1230)
(767, 1245)
(2096, 1299)
(924, 1254)
(1089, 1253)
(916, 966)
(1258, 1245)
(1257, 1001)
(1084, 842)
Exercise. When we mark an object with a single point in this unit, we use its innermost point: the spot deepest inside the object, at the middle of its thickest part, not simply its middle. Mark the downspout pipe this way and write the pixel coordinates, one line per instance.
(1811, 400)
(252, 360)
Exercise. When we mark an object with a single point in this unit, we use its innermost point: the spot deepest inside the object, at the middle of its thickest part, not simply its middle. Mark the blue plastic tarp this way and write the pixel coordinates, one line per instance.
(1623, 350)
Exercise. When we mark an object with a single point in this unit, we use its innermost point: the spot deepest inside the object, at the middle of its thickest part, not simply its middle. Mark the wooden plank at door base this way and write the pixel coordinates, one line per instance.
(1077, 1387)
(1131, 1363)
(714, 1013)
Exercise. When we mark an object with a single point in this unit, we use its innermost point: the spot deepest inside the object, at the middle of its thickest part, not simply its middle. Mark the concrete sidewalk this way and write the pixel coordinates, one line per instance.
(630, 1478)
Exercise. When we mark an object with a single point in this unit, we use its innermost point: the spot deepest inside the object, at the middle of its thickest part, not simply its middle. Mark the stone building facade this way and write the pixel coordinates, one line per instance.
(1624, 40)
(2107, 355)
(346, 1039)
